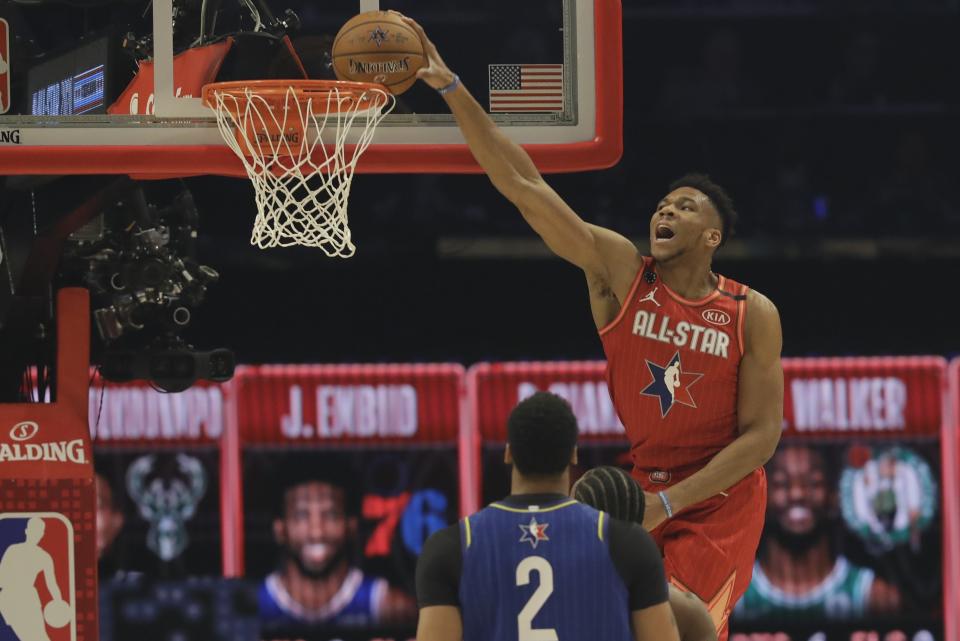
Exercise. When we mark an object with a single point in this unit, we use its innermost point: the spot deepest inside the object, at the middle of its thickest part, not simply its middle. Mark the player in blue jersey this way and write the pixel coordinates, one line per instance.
(538, 565)
(316, 582)
(614, 491)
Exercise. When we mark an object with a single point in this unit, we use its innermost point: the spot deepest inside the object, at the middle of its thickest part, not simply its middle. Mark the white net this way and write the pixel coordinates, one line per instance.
(301, 183)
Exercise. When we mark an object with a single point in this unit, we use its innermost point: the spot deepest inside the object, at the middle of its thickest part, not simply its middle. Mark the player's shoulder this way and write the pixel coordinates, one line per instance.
(759, 301)
(761, 310)
(628, 530)
(632, 538)
(633, 551)
(440, 552)
(443, 539)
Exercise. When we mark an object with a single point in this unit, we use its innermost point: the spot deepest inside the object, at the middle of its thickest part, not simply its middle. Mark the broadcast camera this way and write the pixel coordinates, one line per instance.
(137, 260)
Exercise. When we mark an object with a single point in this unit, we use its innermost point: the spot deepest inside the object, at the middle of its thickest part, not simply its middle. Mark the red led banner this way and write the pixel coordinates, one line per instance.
(888, 396)
(338, 404)
(137, 414)
(497, 387)
(894, 396)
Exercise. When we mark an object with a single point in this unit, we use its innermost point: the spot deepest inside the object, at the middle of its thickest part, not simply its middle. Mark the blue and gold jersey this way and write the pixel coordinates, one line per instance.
(540, 572)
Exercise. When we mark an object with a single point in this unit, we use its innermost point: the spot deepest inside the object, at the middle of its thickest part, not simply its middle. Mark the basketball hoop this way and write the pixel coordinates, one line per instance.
(302, 183)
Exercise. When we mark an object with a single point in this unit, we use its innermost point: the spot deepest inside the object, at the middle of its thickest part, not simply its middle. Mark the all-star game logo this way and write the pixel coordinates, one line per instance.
(887, 496)
(671, 384)
(534, 533)
(37, 596)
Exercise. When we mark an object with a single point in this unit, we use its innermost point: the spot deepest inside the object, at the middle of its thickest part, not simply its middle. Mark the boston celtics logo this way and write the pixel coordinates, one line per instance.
(887, 495)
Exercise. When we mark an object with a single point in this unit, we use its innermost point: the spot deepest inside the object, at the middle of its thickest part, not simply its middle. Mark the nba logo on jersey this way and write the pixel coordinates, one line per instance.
(4, 66)
(36, 578)
(671, 385)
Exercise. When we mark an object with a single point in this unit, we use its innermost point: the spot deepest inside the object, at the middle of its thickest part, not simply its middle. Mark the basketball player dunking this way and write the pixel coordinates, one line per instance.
(693, 358)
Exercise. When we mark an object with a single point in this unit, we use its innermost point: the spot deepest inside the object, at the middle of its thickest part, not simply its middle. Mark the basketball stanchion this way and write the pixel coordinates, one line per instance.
(48, 502)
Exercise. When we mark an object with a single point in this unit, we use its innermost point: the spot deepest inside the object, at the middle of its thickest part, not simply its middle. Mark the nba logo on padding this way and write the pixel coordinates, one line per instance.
(36, 578)
(4, 66)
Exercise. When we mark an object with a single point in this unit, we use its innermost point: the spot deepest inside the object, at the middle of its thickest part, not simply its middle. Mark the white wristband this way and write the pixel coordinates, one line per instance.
(666, 504)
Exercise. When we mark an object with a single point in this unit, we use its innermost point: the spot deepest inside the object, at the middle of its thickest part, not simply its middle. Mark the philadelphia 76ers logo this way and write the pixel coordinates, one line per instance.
(671, 384)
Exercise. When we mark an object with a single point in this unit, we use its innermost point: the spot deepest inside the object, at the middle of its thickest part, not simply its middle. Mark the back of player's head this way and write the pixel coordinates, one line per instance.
(542, 433)
(719, 198)
(611, 490)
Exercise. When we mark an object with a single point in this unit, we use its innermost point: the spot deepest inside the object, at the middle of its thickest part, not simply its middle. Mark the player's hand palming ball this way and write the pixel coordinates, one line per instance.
(378, 46)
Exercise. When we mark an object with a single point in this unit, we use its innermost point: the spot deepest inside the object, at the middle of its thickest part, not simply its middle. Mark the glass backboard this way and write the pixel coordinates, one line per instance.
(84, 103)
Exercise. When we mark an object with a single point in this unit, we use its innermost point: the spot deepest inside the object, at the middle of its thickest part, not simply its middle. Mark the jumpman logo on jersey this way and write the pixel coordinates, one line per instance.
(671, 384)
(534, 532)
(651, 297)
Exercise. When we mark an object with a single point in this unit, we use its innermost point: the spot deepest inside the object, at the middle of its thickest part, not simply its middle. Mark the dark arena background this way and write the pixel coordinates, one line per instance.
(188, 417)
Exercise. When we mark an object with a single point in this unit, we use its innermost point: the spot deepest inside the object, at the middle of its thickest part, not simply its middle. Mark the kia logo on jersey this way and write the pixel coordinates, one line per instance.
(716, 317)
(24, 431)
(37, 595)
(4, 66)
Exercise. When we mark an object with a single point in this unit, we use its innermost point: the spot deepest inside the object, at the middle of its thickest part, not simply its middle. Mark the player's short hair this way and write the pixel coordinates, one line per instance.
(613, 491)
(825, 458)
(337, 476)
(542, 433)
(719, 198)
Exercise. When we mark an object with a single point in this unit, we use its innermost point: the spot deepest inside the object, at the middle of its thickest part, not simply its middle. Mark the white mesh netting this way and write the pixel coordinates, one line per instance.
(301, 184)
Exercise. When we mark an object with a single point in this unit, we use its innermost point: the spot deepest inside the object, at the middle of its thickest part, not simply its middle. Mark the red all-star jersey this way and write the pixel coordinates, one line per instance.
(672, 369)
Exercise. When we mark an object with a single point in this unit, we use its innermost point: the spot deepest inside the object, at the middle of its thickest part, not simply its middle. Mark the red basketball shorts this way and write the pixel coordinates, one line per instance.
(709, 548)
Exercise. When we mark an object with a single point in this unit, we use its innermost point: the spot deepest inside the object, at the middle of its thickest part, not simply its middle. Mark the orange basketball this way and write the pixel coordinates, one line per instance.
(377, 46)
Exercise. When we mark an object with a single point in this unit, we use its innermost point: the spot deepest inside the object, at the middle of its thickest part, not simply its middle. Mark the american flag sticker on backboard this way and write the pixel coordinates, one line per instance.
(519, 88)
(4, 66)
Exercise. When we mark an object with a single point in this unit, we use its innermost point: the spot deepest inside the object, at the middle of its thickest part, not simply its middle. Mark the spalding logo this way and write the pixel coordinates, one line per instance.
(24, 431)
(716, 317)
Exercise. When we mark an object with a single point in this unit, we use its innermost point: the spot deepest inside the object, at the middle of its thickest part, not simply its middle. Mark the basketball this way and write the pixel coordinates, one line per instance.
(57, 614)
(377, 46)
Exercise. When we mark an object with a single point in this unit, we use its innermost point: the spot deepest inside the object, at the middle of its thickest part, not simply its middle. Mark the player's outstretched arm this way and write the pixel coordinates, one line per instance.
(515, 176)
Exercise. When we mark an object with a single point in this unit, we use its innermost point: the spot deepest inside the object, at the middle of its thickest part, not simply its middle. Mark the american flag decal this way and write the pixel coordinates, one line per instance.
(516, 88)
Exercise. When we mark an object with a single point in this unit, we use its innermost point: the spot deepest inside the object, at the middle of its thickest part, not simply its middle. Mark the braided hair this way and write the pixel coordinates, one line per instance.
(613, 491)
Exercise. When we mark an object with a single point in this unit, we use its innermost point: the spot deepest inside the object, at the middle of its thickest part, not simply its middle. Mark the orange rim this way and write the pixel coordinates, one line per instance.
(274, 92)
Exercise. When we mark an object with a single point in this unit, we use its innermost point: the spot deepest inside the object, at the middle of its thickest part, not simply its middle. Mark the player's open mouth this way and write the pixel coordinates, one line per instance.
(662, 232)
(799, 513)
(315, 551)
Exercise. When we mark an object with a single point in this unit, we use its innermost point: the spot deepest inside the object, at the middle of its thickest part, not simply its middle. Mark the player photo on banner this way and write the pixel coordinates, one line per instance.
(332, 537)
(852, 539)
(158, 513)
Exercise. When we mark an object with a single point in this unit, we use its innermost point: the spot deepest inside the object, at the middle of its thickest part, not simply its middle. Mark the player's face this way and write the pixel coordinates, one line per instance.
(798, 494)
(316, 526)
(684, 221)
